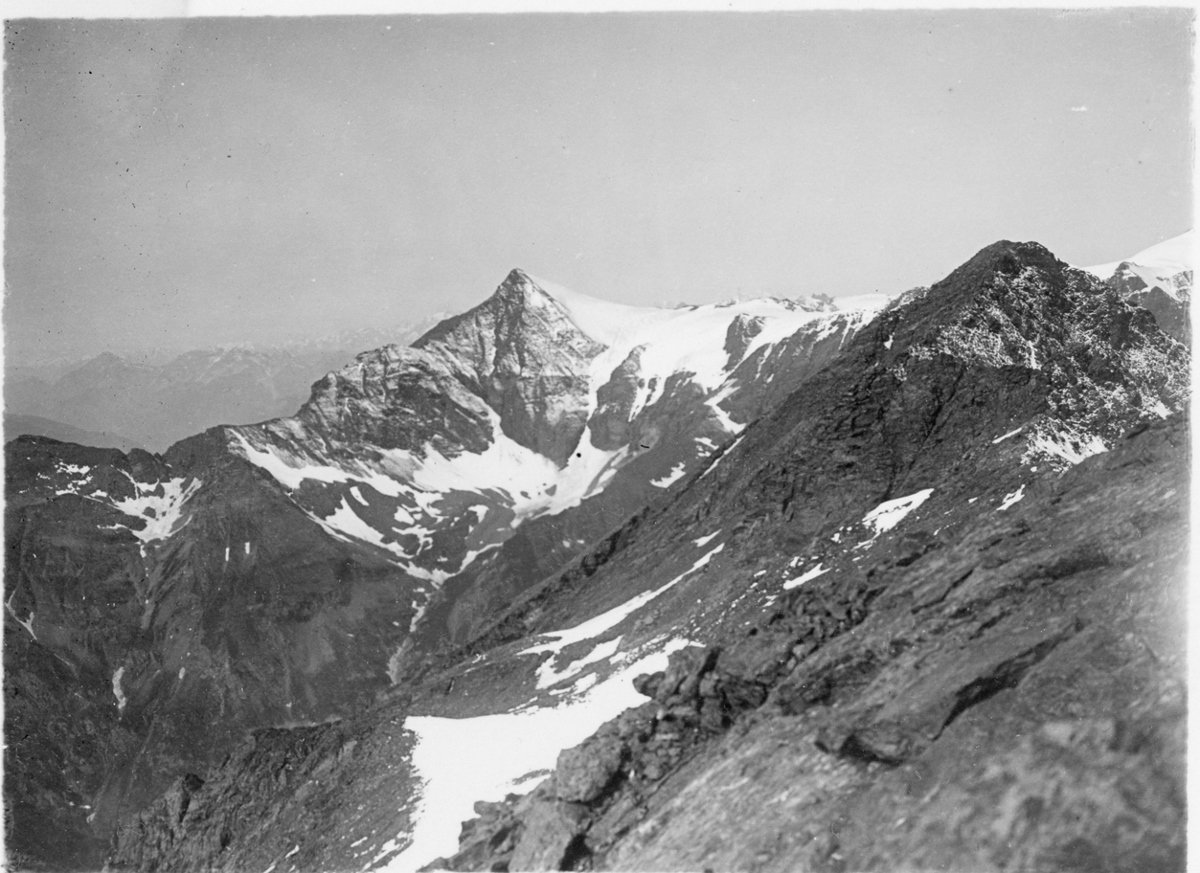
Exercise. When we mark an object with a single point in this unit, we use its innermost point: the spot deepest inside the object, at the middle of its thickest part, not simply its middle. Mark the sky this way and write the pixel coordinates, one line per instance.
(185, 183)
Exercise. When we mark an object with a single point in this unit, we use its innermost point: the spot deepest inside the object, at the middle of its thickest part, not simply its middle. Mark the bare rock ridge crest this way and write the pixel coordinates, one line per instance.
(790, 586)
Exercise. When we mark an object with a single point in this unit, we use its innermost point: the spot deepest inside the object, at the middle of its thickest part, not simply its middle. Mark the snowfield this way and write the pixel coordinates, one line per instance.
(890, 513)
(1157, 264)
(462, 760)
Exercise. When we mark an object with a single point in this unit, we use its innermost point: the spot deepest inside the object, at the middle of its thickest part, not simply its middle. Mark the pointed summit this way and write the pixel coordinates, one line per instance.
(1007, 258)
(517, 276)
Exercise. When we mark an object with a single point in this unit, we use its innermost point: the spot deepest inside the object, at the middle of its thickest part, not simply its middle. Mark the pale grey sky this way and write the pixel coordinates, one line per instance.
(184, 183)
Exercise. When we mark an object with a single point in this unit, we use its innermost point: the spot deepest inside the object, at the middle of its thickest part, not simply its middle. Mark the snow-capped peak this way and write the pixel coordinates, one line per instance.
(1158, 263)
(620, 325)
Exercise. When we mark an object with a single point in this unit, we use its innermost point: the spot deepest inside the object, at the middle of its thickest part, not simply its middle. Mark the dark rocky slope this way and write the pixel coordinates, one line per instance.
(851, 667)
(128, 659)
(1012, 698)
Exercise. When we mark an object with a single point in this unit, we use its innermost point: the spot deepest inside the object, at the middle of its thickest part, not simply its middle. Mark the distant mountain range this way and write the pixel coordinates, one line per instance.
(151, 400)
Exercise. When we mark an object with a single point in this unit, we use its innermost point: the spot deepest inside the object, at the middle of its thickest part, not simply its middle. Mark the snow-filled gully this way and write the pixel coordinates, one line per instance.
(462, 760)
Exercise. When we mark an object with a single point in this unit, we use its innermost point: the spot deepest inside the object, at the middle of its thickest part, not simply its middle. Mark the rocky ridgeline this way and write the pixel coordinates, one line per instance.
(1009, 652)
(1012, 700)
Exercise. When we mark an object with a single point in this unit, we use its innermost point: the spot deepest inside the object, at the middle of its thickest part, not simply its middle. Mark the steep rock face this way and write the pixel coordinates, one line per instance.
(1169, 302)
(160, 614)
(529, 361)
(1159, 279)
(881, 577)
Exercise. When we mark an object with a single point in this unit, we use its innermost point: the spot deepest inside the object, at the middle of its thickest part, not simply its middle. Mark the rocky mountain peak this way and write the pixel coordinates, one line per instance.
(516, 278)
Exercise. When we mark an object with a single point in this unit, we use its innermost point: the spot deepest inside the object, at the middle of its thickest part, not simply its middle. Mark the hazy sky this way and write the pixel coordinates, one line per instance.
(184, 183)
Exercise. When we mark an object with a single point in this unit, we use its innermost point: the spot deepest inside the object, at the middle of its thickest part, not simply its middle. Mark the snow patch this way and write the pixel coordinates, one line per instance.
(461, 761)
(725, 454)
(117, 692)
(800, 580)
(1010, 499)
(548, 676)
(1062, 443)
(1157, 265)
(161, 512)
(671, 478)
(593, 627)
(27, 623)
(1011, 433)
(890, 513)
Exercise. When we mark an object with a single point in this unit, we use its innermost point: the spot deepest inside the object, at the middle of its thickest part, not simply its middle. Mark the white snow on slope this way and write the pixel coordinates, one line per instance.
(27, 623)
(671, 478)
(118, 692)
(690, 339)
(725, 454)
(548, 676)
(1157, 264)
(1061, 442)
(291, 471)
(162, 512)
(533, 483)
(1011, 433)
(890, 513)
(159, 505)
(345, 521)
(1011, 498)
(464, 760)
(805, 577)
(593, 627)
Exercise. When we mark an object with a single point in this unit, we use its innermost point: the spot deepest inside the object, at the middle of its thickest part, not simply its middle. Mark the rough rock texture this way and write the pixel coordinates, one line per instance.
(1168, 301)
(857, 685)
(1010, 701)
(529, 362)
(275, 784)
(614, 403)
(128, 662)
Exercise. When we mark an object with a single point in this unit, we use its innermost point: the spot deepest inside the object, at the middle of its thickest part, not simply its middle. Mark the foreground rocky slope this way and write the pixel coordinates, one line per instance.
(1009, 698)
(159, 607)
(887, 605)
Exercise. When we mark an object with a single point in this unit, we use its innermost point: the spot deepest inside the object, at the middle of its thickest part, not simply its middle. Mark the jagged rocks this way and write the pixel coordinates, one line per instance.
(615, 401)
(527, 359)
(997, 681)
(584, 772)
